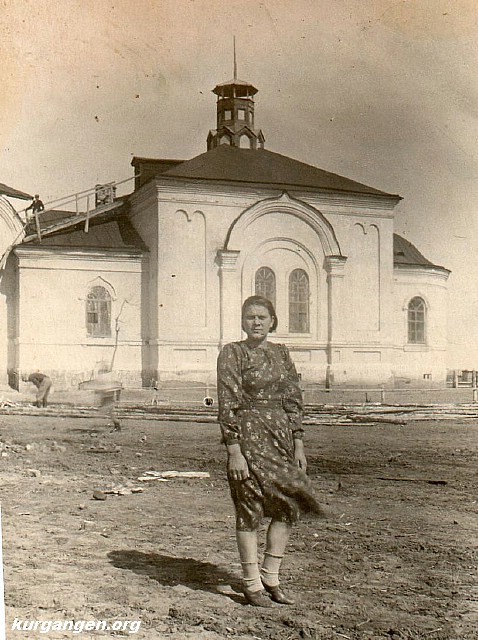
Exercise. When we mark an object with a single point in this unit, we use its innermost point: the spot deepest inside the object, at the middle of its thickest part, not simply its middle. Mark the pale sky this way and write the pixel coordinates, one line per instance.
(379, 91)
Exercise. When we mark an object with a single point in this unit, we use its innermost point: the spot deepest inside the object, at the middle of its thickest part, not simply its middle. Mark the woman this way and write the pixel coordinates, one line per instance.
(260, 411)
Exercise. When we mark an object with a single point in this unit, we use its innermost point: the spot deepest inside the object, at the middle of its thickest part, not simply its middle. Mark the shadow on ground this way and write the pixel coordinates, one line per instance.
(170, 571)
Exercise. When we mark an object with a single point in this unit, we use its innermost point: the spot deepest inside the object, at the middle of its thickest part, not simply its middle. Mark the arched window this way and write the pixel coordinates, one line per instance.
(244, 142)
(298, 302)
(416, 321)
(266, 284)
(98, 312)
(225, 140)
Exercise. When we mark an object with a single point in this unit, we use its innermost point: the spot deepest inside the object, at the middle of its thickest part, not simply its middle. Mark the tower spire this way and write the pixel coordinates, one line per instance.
(235, 114)
(235, 60)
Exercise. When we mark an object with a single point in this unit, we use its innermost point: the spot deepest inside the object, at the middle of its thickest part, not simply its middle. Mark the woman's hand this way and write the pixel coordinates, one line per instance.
(299, 455)
(237, 468)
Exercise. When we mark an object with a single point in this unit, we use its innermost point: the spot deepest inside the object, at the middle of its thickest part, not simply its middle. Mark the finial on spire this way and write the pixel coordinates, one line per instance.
(235, 61)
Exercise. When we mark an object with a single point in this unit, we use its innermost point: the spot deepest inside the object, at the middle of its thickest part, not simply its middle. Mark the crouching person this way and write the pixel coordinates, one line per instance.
(43, 384)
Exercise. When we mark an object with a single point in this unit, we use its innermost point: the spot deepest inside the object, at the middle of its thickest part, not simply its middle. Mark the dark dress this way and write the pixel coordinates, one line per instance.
(260, 407)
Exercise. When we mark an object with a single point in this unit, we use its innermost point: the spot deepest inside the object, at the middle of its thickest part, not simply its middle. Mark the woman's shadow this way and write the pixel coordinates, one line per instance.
(170, 571)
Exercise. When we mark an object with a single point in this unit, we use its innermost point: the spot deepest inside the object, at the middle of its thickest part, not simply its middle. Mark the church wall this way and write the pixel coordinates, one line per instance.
(283, 243)
(365, 356)
(8, 321)
(355, 346)
(420, 364)
(360, 349)
(10, 232)
(145, 219)
(5, 293)
(192, 229)
(52, 334)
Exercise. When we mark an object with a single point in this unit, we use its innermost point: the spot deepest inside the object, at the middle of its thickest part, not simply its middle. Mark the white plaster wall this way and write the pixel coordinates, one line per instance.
(413, 362)
(145, 219)
(192, 228)
(193, 225)
(10, 232)
(185, 225)
(52, 333)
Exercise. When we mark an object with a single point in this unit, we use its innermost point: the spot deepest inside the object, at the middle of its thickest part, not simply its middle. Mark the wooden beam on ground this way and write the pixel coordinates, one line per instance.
(440, 482)
(369, 418)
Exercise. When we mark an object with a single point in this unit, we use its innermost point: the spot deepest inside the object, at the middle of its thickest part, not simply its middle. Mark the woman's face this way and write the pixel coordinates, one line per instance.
(256, 322)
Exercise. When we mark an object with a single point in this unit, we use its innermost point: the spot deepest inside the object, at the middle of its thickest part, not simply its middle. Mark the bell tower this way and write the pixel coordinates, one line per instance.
(235, 115)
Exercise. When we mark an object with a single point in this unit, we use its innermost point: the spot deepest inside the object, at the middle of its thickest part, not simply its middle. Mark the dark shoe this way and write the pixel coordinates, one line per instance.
(257, 598)
(278, 595)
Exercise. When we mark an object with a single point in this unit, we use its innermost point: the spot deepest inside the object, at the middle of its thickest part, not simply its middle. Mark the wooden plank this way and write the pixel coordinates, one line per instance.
(75, 219)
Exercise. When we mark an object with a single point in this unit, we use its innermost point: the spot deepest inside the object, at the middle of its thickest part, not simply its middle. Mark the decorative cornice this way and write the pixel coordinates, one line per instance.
(335, 265)
(226, 188)
(143, 198)
(227, 259)
(36, 257)
(86, 342)
(35, 251)
(435, 271)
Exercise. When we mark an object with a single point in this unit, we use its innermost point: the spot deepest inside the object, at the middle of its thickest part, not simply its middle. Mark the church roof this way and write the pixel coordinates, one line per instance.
(260, 166)
(5, 190)
(406, 254)
(240, 87)
(115, 233)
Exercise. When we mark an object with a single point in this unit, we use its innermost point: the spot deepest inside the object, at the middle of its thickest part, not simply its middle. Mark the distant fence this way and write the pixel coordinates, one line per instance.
(462, 378)
(206, 394)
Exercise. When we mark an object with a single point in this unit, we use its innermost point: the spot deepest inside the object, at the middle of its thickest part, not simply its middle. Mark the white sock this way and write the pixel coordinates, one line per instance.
(270, 569)
(251, 576)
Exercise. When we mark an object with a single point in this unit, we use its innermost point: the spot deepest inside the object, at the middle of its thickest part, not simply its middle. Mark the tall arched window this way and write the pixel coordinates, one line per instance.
(98, 312)
(298, 302)
(416, 321)
(266, 284)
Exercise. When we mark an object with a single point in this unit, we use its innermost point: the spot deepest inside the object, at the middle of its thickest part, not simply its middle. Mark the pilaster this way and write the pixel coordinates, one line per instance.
(335, 268)
(230, 286)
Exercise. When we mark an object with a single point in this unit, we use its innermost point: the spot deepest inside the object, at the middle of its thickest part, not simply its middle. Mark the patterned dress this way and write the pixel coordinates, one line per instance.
(260, 407)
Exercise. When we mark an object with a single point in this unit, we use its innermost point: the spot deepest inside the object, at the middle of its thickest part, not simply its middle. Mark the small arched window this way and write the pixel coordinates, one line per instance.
(416, 321)
(298, 302)
(244, 142)
(266, 284)
(98, 313)
(225, 140)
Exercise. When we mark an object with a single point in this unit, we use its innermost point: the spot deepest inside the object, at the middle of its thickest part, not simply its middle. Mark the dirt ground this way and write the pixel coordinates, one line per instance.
(395, 559)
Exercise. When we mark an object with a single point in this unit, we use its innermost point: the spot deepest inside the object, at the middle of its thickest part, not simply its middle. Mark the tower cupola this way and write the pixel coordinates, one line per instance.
(235, 115)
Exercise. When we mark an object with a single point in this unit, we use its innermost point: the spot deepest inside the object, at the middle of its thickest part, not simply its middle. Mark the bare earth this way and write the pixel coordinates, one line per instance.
(395, 559)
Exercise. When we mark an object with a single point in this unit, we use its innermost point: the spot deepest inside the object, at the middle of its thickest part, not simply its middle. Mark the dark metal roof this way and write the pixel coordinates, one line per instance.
(260, 166)
(406, 254)
(5, 190)
(52, 216)
(238, 88)
(115, 233)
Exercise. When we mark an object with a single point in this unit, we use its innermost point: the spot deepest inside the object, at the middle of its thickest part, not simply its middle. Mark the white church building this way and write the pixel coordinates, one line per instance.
(151, 284)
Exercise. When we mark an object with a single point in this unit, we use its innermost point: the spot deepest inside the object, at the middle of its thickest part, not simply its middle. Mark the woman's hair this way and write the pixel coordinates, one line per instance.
(261, 302)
